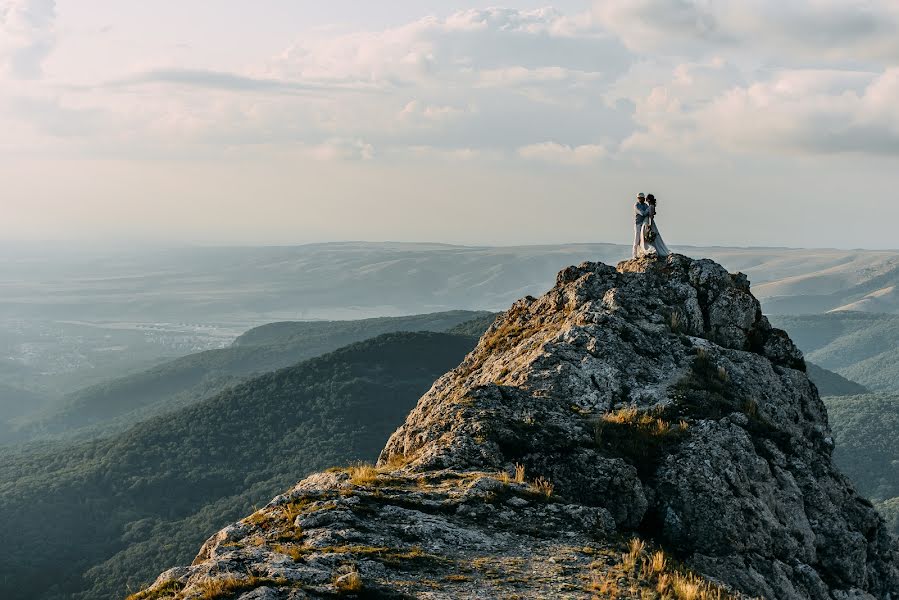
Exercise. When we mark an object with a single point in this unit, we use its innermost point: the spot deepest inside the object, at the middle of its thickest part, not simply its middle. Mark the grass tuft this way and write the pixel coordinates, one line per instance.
(519, 473)
(165, 590)
(363, 474)
(650, 575)
(213, 589)
(348, 583)
(639, 436)
(543, 486)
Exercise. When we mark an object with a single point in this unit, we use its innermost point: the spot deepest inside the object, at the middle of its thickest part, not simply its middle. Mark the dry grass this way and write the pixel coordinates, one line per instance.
(651, 575)
(293, 551)
(751, 408)
(722, 374)
(676, 322)
(543, 486)
(363, 474)
(641, 436)
(212, 589)
(504, 477)
(647, 422)
(292, 511)
(348, 583)
(168, 589)
(397, 461)
(519, 473)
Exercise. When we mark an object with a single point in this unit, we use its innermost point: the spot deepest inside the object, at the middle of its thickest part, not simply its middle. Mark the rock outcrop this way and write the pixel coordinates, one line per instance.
(652, 400)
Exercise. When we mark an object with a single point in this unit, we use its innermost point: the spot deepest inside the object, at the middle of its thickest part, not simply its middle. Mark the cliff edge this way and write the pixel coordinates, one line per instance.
(652, 402)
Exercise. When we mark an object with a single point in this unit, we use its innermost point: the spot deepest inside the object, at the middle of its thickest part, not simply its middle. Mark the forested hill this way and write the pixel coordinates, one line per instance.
(857, 345)
(183, 381)
(867, 447)
(117, 511)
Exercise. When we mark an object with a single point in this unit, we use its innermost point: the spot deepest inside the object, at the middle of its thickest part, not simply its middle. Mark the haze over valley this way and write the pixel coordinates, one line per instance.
(314, 301)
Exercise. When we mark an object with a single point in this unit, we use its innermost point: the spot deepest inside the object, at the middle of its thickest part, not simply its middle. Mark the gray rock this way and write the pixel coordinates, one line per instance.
(651, 397)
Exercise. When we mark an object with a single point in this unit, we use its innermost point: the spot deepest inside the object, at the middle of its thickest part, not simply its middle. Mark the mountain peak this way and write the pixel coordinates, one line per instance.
(650, 399)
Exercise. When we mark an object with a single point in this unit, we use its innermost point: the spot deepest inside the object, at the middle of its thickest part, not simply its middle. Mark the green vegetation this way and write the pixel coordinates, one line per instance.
(475, 327)
(859, 346)
(99, 518)
(890, 511)
(122, 402)
(867, 445)
(833, 384)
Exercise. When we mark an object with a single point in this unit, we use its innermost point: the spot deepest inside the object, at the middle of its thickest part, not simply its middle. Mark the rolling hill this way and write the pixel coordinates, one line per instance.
(182, 381)
(867, 447)
(863, 347)
(360, 279)
(87, 520)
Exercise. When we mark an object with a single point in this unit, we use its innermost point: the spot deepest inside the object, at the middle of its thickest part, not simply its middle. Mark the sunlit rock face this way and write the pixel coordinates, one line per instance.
(653, 399)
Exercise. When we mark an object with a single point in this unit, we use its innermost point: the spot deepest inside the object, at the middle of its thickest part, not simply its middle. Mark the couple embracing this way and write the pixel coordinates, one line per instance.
(647, 240)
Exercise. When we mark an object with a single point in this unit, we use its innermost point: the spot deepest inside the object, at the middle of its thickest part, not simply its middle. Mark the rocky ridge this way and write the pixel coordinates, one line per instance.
(653, 400)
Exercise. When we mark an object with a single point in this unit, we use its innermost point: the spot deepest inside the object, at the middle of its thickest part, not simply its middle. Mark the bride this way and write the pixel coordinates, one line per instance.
(651, 243)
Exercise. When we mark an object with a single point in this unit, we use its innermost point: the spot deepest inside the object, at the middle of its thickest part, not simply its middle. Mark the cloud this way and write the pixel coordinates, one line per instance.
(26, 36)
(416, 111)
(221, 80)
(542, 76)
(526, 85)
(816, 112)
(786, 30)
(553, 152)
(340, 149)
(459, 46)
(793, 111)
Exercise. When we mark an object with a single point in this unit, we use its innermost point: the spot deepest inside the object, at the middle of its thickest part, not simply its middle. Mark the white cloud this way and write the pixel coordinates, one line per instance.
(341, 149)
(475, 83)
(416, 111)
(26, 35)
(458, 46)
(500, 82)
(519, 76)
(793, 111)
(553, 152)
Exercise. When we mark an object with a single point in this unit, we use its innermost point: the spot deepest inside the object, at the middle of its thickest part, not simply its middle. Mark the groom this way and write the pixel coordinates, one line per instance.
(641, 213)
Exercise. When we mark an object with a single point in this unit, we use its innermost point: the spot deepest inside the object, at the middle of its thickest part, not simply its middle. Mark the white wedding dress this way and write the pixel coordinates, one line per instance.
(657, 247)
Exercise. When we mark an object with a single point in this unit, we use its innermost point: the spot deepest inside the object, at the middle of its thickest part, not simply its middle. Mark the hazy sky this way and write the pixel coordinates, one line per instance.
(771, 122)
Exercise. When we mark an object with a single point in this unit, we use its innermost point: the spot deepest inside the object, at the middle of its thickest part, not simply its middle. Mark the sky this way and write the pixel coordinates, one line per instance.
(771, 122)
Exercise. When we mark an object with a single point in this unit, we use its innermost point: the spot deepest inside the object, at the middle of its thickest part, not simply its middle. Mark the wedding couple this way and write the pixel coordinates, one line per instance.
(647, 240)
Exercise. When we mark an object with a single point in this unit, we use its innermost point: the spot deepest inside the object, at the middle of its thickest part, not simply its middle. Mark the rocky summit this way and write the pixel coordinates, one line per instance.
(636, 432)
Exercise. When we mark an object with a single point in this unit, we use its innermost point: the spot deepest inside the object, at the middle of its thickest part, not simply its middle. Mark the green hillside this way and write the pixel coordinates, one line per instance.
(120, 510)
(866, 431)
(15, 401)
(833, 384)
(121, 402)
(863, 347)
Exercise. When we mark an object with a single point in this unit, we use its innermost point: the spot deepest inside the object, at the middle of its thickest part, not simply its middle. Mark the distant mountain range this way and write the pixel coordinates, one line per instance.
(360, 279)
